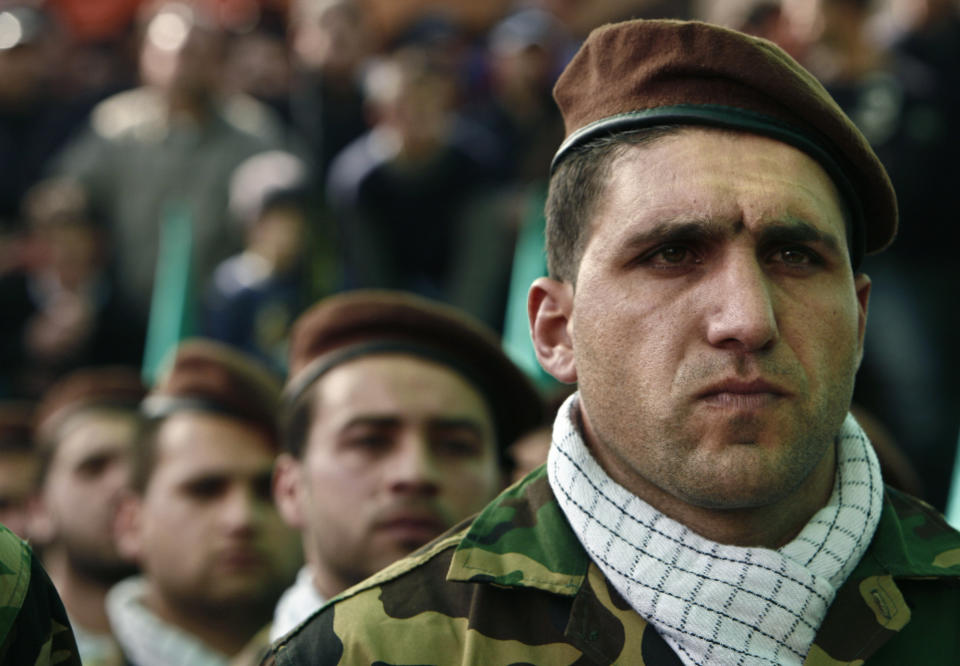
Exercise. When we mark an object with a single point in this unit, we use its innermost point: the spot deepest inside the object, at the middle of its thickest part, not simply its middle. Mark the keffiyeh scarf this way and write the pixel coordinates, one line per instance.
(714, 603)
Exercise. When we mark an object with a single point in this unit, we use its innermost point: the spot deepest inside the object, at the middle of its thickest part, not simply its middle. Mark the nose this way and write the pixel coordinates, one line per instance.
(414, 468)
(742, 308)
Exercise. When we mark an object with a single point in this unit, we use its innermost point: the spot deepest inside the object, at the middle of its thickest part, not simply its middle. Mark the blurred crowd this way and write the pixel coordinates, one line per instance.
(212, 168)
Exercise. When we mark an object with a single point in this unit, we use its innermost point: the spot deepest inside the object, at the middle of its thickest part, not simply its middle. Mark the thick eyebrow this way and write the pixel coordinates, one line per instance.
(371, 420)
(439, 423)
(675, 231)
(458, 424)
(793, 230)
(778, 232)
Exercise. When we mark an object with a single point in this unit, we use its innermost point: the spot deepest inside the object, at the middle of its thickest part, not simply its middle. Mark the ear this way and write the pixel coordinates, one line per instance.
(550, 309)
(288, 490)
(862, 284)
(128, 526)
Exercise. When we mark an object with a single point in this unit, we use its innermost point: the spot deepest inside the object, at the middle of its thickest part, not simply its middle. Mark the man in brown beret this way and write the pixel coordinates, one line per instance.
(707, 497)
(398, 413)
(87, 424)
(201, 521)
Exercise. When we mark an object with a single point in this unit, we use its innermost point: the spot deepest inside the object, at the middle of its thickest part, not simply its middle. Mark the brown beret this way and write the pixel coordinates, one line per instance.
(646, 73)
(359, 323)
(115, 387)
(16, 426)
(210, 376)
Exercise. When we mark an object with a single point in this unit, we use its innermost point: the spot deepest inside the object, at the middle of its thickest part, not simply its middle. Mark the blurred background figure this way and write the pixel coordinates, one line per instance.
(36, 115)
(87, 425)
(330, 43)
(166, 149)
(255, 295)
(61, 309)
(400, 191)
(19, 466)
(200, 521)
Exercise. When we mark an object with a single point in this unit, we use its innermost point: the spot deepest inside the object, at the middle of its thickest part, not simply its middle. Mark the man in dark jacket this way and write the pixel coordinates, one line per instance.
(707, 498)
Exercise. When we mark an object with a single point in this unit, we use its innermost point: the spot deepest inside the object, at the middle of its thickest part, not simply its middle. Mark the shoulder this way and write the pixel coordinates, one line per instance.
(138, 113)
(914, 539)
(490, 585)
(34, 628)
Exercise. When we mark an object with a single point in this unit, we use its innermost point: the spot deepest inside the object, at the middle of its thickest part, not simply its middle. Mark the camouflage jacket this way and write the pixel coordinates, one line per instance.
(33, 623)
(516, 586)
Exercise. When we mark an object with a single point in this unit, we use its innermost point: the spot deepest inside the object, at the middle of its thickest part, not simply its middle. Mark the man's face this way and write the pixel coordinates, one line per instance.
(716, 325)
(399, 449)
(88, 473)
(208, 535)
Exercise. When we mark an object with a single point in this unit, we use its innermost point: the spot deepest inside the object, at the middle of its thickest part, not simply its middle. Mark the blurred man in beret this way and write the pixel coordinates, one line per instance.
(398, 414)
(201, 521)
(707, 498)
(87, 424)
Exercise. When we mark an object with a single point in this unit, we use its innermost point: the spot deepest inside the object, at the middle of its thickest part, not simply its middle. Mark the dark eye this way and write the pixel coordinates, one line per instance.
(205, 489)
(674, 254)
(797, 256)
(456, 442)
(370, 441)
(93, 467)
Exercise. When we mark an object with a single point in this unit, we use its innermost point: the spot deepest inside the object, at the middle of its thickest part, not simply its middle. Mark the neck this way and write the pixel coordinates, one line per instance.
(327, 584)
(771, 525)
(226, 629)
(83, 596)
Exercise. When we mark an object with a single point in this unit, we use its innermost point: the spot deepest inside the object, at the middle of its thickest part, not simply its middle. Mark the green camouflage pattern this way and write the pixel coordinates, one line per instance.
(516, 587)
(33, 623)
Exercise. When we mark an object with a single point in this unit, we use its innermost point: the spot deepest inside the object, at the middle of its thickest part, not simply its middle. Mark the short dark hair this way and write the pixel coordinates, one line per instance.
(295, 422)
(575, 187)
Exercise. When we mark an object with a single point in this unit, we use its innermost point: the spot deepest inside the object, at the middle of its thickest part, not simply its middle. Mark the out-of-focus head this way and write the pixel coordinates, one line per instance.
(87, 425)
(182, 49)
(522, 47)
(19, 466)
(67, 236)
(268, 196)
(330, 36)
(202, 523)
(411, 95)
(397, 414)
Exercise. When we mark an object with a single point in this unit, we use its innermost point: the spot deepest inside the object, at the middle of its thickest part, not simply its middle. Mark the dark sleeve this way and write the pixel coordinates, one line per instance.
(41, 632)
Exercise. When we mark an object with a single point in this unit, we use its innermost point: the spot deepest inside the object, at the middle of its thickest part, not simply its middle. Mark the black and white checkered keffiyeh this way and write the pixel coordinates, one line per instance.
(714, 603)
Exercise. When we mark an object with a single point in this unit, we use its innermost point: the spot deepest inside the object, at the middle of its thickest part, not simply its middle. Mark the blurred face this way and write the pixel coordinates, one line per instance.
(716, 325)
(399, 450)
(207, 534)
(87, 475)
(18, 479)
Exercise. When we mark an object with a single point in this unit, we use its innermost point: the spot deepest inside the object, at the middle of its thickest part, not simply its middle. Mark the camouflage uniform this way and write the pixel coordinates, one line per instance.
(33, 623)
(521, 589)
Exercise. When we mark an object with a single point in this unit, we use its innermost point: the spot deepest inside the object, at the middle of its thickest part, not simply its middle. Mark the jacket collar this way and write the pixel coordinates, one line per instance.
(522, 539)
